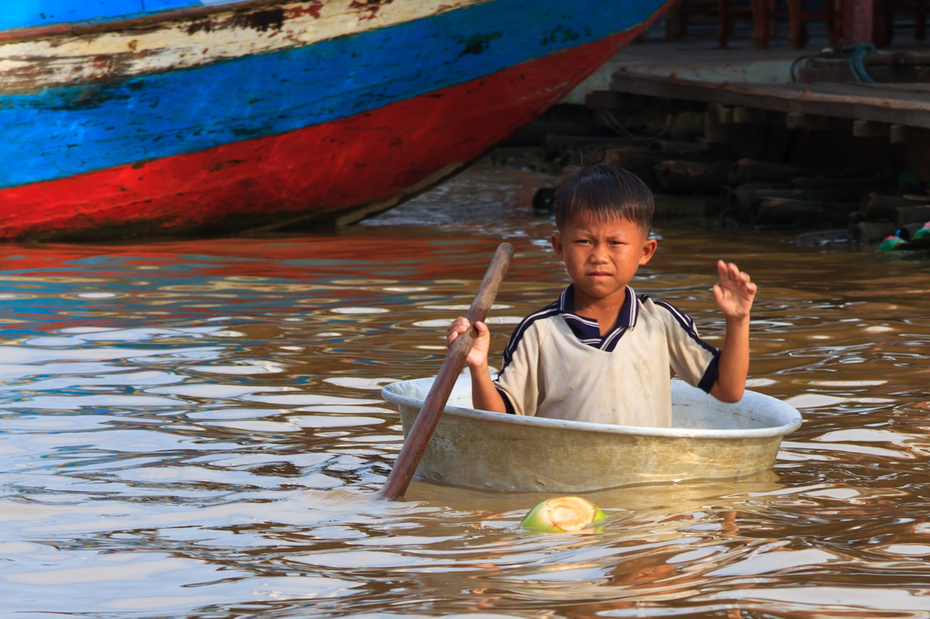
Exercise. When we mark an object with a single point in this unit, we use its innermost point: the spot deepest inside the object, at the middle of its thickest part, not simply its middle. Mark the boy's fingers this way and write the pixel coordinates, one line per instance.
(459, 325)
(735, 273)
(743, 275)
(729, 270)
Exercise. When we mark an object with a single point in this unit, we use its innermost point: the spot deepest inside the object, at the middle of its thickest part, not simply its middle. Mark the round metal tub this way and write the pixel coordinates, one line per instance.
(708, 439)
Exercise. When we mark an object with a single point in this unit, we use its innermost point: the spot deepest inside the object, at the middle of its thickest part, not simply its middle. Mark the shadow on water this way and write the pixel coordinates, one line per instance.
(195, 429)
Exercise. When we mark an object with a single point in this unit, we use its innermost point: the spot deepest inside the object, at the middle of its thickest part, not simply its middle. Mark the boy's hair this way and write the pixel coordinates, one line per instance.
(606, 192)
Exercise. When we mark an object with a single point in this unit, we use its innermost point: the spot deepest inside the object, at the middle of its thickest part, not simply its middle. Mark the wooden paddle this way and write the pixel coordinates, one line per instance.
(419, 435)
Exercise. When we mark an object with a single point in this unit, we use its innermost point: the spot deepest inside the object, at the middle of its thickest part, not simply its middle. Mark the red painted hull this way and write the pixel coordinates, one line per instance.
(343, 169)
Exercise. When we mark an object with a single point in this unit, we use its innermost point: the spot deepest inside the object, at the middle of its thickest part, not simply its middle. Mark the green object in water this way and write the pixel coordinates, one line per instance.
(564, 514)
(890, 243)
(925, 231)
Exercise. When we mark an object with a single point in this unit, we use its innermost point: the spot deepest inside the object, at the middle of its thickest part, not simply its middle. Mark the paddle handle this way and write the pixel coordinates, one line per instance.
(419, 435)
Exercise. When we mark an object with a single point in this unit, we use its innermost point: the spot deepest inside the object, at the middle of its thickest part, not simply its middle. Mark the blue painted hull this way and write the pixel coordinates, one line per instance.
(64, 130)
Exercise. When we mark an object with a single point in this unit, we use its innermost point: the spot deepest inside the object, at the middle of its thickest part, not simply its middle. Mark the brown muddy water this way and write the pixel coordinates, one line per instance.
(195, 429)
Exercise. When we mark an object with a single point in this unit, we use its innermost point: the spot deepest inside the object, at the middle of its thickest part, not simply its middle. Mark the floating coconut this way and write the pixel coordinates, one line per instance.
(564, 514)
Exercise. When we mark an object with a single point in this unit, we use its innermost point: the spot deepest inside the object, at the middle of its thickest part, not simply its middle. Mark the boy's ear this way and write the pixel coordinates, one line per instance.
(556, 240)
(649, 250)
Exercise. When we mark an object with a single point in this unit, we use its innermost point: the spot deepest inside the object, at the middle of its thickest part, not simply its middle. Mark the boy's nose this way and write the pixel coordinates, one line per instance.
(598, 253)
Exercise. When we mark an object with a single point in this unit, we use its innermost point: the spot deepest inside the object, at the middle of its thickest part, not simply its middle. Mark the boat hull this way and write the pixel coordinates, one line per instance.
(509, 453)
(201, 122)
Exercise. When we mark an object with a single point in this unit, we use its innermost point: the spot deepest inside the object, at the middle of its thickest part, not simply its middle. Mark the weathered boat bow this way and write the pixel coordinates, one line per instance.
(228, 117)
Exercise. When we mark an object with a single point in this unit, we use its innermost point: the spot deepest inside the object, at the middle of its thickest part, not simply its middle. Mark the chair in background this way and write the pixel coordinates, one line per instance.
(763, 14)
(887, 10)
(766, 12)
(726, 13)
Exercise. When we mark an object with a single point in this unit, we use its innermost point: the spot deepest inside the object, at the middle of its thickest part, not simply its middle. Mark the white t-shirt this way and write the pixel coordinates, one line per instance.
(557, 365)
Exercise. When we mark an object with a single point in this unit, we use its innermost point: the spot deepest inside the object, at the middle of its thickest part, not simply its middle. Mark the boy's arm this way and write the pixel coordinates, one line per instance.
(734, 295)
(484, 394)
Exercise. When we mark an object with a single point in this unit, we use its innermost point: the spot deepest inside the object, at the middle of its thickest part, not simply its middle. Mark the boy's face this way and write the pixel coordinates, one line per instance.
(601, 257)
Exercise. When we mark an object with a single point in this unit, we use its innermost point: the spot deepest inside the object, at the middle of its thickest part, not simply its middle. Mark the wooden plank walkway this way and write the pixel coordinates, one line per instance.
(759, 82)
(888, 104)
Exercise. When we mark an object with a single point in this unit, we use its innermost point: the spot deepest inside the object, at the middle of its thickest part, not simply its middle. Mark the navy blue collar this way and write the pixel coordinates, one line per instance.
(588, 331)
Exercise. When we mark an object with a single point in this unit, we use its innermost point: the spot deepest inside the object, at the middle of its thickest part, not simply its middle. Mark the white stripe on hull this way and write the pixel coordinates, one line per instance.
(145, 47)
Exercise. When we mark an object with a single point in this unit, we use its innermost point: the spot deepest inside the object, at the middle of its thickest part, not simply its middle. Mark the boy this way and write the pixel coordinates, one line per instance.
(602, 353)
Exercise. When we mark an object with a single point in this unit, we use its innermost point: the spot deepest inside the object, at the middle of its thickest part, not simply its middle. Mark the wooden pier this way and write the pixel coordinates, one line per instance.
(831, 135)
(899, 111)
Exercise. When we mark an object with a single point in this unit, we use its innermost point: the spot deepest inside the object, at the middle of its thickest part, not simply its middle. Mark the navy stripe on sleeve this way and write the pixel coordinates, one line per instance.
(517, 335)
(508, 405)
(688, 324)
(710, 374)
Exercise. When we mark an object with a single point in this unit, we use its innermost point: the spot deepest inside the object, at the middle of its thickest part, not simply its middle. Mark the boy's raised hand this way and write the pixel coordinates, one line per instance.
(478, 355)
(734, 293)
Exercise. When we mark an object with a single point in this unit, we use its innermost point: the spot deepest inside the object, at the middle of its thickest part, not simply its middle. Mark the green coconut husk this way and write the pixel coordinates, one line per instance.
(564, 514)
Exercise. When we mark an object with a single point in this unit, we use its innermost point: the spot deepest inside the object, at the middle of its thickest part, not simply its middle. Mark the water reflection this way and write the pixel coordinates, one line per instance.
(195, 429)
